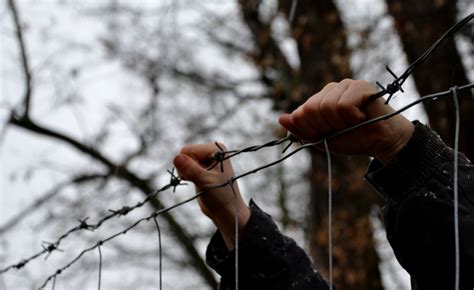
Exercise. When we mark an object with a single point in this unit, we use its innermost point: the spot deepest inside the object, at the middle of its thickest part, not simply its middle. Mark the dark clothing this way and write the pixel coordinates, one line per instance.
(267, 259)
(419, 219)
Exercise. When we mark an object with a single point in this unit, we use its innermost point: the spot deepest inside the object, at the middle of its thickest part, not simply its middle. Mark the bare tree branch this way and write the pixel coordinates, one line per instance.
(24, 58)
(269, 58)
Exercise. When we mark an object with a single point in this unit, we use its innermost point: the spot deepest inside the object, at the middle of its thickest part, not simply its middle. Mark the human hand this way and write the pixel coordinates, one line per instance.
(218, 204)
(340, 105)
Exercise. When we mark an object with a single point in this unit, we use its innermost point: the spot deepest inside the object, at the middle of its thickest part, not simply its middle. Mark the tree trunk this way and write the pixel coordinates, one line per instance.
(321, 40)
(419, 24)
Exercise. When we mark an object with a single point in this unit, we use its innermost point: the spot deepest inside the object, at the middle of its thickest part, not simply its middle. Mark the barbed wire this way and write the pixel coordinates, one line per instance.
(221, 155)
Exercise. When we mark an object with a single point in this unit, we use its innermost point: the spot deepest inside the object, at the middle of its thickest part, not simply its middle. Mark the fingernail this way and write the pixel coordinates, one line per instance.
(179, 161)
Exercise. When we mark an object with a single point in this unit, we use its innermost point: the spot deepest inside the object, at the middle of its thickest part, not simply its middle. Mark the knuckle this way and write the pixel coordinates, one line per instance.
(186, 149)
(347, 81)
(326, 104)
(342, 106)
(362, 84)
(330, 85)
(309, 109)
(297, 116)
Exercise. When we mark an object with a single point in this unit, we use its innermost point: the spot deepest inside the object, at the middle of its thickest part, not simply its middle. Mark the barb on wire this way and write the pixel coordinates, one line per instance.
(84, 225)
(49, 248)
(393, 87)
(255, 170)
(219, 157)
(175, 181)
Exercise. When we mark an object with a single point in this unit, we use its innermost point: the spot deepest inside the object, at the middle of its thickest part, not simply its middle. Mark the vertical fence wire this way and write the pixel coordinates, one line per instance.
(291, 16)
(328, 157)
(54, 283)
(100, 266)
(236, 234)
(160, 256)
(455, 186)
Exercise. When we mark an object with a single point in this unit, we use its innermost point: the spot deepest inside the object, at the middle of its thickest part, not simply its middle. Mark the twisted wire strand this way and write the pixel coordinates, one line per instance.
(255, 170)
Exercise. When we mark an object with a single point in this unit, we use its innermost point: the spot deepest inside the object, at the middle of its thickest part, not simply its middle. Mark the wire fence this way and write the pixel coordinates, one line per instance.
(221, 155)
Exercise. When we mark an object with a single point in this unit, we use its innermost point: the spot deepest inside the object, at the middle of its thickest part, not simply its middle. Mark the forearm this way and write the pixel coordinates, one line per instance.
(225, 219)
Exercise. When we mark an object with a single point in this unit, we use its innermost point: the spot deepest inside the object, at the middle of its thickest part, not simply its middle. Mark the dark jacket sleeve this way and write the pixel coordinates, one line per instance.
(419, 212)
(267, 259)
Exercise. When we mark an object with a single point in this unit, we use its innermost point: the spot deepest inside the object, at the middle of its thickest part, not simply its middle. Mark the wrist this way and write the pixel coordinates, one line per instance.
(225, 222)
(401, 132)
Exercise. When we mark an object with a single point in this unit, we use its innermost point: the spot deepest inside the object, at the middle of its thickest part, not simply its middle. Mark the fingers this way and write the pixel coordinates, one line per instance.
(201, 152)
(336, 106)
(287, 123)
(330, 112)
(194, 160)
(189, 169)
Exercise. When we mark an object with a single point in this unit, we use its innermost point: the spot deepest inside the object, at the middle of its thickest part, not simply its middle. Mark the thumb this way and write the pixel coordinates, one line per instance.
(189, 169)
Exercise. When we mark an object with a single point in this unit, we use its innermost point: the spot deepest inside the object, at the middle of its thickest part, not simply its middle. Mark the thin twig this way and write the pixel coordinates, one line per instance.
(24, 58)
